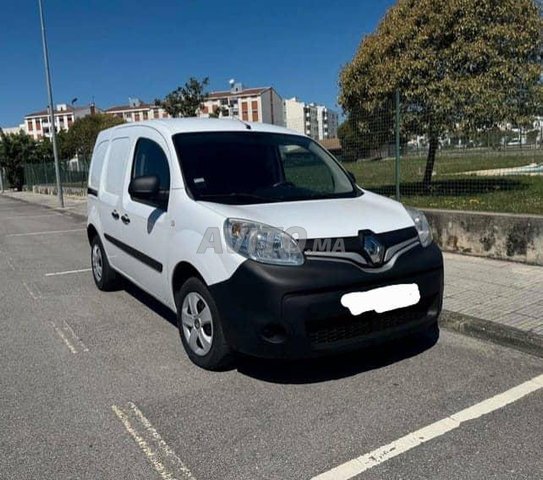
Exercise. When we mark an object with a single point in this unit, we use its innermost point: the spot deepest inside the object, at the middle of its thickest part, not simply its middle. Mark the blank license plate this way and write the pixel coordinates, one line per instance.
(382, 299)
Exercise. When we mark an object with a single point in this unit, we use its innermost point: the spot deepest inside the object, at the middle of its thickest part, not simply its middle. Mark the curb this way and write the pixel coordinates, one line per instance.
(77, 216)
(507, 336)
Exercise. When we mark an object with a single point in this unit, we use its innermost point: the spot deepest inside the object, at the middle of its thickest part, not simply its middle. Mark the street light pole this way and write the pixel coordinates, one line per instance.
(51, 106)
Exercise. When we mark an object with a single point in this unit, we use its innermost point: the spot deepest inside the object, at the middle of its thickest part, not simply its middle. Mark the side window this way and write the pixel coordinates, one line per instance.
(306, 170)
(116, 165)
(150, 159)
(97, 165)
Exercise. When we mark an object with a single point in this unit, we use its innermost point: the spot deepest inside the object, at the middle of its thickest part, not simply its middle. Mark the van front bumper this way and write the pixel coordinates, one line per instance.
(295, 312)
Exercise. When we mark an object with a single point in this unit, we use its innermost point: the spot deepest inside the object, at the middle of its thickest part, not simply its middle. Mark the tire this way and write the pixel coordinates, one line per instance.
(105, 278)
(200, 327)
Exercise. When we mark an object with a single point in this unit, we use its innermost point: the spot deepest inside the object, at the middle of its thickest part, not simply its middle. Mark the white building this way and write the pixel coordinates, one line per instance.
(261, 104)
(13, 130)
(315, 121)
(37, 124)
(136, 111)
(328, 122)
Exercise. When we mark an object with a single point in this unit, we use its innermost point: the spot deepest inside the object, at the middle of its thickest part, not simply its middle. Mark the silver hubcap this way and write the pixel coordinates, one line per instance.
(197, 323)
(97, 262)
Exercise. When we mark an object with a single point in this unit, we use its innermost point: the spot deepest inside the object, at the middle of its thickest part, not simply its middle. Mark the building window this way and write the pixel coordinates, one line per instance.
(254, 108)
(70, 121)
(128, 115)
(136, 117)
(30, 126)
(155, 113)
(146, 115)
(38, 124)
(244, 111)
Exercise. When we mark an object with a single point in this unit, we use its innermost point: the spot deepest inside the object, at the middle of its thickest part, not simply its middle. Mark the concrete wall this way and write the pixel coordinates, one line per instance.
(517, 238)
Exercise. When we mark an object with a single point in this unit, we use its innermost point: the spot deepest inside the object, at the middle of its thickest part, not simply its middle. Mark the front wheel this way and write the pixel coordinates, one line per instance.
(104, 276)
(200, 326)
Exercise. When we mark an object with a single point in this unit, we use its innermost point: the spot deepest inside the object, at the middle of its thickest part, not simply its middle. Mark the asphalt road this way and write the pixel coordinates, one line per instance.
(97, 386)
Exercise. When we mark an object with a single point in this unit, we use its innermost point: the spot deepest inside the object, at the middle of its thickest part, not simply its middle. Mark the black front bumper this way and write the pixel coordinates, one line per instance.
(295, 312)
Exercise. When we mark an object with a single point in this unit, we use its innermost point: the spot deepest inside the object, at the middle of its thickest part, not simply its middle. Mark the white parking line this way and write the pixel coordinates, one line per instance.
(163, 459)
(51, 232)
(360, 464)
(20, 217)
(69, 337)
(68, 328)
(68, 272)
(64, 338)
(31, 292)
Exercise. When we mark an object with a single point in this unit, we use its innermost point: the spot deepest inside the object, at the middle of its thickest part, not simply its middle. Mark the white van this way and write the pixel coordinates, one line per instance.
(258, 239)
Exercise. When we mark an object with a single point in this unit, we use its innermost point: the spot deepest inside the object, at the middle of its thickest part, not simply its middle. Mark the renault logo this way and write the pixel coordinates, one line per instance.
(373, 249)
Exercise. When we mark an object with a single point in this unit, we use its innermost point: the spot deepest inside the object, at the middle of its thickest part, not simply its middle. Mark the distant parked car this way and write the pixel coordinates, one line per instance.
(258, 239)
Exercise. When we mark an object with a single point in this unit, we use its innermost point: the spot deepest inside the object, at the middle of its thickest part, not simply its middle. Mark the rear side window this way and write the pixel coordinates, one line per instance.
(150, 159)
(97, 165)
(116, 165)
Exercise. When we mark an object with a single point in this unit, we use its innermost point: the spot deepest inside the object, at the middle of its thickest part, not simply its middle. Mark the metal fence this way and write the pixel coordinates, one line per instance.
(73, 173)
(498, 169)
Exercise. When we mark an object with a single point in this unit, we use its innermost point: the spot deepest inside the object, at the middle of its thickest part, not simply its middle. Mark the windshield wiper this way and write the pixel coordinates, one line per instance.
(234, 195)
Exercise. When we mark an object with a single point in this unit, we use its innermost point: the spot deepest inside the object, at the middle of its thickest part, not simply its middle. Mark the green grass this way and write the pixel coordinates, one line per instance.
(510, 194)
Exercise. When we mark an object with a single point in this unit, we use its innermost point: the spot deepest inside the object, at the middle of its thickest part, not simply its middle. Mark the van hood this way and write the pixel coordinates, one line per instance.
(329, 218)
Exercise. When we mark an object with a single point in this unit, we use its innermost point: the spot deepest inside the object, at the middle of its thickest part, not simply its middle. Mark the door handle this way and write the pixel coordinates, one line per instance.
(125, 219)
(115, 214)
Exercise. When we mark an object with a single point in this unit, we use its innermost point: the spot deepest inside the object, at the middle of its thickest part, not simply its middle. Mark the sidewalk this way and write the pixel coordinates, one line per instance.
(75, 206)
(501, 301)
(491, 299)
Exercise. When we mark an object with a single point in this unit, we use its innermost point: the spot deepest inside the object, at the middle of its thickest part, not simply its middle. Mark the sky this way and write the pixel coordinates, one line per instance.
(109, 50)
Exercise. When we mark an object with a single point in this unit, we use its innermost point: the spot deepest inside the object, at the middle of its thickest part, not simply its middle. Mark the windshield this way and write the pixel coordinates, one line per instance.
(256, 167)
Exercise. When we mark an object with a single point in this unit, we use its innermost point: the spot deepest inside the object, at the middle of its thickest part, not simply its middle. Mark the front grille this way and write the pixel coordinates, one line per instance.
(354, 244)
(348, 327)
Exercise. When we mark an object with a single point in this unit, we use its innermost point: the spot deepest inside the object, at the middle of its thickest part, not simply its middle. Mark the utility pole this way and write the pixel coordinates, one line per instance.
(51, 106)
(398, 144)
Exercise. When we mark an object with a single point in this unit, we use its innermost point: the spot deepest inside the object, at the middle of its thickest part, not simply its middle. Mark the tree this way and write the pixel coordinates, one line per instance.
(15, 150)
(185, 101)
(219, 111)
(81, 137)
(459, 64)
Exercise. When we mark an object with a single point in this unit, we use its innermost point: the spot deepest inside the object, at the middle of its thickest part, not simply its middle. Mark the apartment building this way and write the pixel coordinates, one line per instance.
(136, 111)
(301, 117)
(328, 121)
(38, 124)
(315, 121)
(13, 130)
(261, 104)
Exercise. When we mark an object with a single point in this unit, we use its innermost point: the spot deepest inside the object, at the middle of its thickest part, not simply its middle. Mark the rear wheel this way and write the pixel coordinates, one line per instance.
(104, 276)
(200, 326)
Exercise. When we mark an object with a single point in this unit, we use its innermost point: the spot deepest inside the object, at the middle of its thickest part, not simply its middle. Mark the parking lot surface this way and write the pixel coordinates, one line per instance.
(97, 385)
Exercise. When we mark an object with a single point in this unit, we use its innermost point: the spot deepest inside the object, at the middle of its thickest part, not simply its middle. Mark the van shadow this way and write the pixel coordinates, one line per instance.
(314, 370)
(338, 366)
(149, 301)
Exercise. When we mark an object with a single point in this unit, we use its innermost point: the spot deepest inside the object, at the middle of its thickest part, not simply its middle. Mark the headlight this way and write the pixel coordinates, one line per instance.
(262, 243)
(422, 226)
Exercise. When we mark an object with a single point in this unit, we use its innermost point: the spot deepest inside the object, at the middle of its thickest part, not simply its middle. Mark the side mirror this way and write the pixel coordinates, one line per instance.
(352, 176)
(144, 188)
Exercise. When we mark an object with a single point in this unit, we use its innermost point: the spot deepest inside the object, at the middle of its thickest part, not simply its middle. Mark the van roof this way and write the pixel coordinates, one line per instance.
(171, 126)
